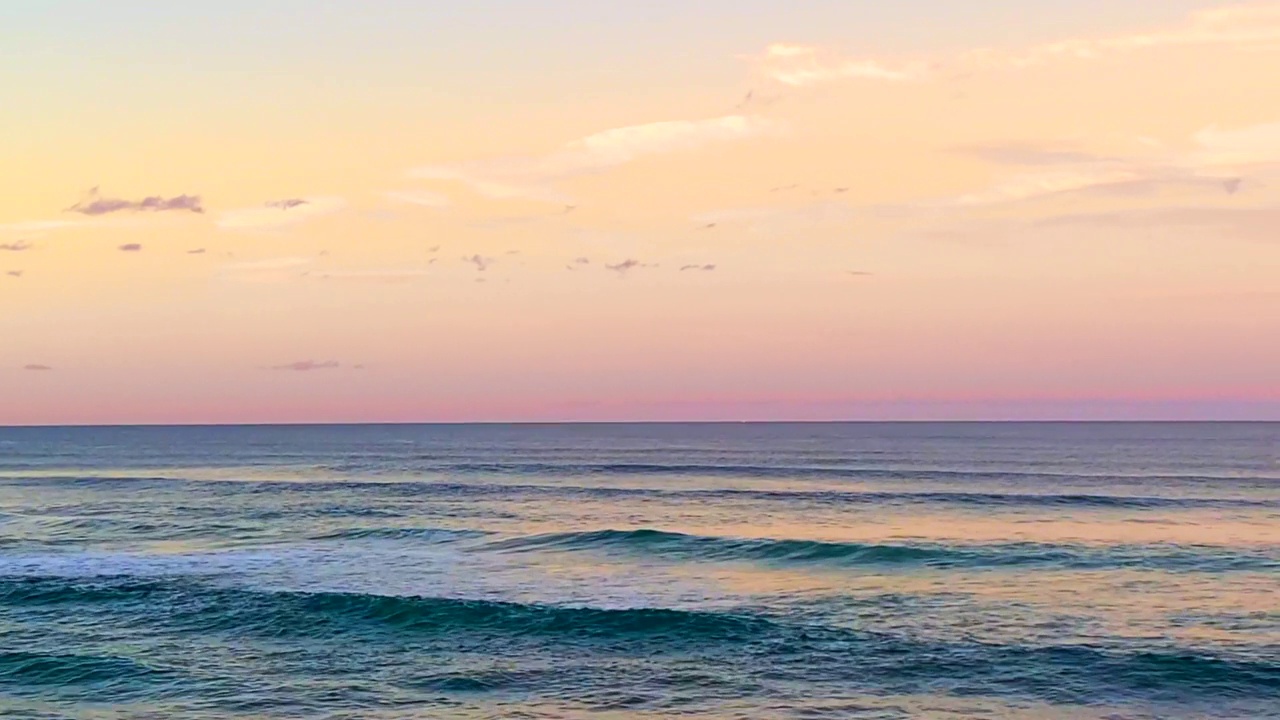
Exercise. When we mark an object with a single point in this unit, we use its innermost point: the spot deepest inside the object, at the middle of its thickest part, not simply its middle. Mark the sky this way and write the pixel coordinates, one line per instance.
(376, 211)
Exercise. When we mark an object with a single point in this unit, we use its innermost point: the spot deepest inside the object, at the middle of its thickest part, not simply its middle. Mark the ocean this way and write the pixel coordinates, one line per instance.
(755, 571)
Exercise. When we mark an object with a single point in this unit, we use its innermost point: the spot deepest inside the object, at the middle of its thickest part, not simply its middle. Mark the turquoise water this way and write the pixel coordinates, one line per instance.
(630, 571)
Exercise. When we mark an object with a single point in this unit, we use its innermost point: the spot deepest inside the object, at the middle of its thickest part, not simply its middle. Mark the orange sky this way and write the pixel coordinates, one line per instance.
(1041, 209)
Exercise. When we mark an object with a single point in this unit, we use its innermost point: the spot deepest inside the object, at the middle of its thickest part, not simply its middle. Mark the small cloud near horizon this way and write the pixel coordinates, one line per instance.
(704, 268)
(130, 247)
(286, 204)
(481, 263)
(37, 367)
(307, 366)
(627, 265)
(275, 215)
(16, 247)
(14, 273)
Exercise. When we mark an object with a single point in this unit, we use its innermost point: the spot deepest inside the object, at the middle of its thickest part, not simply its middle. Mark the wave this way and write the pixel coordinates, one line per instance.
(209, 608)
(427, 468)
(28, 668)
(437, 535)
(741, 644)
(662, 544)
(438, 484)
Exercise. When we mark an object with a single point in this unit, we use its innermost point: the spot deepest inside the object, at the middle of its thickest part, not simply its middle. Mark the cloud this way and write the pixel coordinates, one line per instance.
(481, 263)
(1218, 161)
(41, 227)
(36, 367)
(421, 198)
(268, 217)
(582, 261)
(15, 247)
(1247, 26)
(14, 273)
(197, 251)
(130, 247)
(96, 204)
(386, 276)
(626, 266)
(800, 66)
(307, 366)
(703, 268)
(1256, 223)
(1020, 153)
(288, 204)
(780, 219)
(270, 270)
(536, 177)
(269, 264)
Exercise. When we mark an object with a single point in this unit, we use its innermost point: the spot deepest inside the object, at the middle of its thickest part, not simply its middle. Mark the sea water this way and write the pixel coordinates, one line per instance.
(641, 571)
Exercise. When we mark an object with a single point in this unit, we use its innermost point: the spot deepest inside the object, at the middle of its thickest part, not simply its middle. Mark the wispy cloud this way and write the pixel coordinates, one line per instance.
(801, 65)
(287, 204)
(197, 251)
(16, 247)
(14, 273)
(481, 263)
(41, 226)
(536, 177)
(37, 367)
(130, 247)
(94, 203)
(270, 270)
(704, 268)
(780, 219)
(281, 263)
(307, 366)
(1254, 25)
(269, 217)
(422, 198)
(627, 266)
(1226, 223)
(376, 276)
(1219, 160)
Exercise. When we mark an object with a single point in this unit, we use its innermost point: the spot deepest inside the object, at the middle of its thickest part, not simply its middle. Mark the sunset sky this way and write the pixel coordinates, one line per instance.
(375, 210)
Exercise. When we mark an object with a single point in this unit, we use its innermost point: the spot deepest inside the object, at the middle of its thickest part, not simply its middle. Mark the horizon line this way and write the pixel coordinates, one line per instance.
(494, 423)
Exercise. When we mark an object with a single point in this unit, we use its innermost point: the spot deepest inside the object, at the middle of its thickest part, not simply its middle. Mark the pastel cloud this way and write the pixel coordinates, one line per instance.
(41, 227)
(307, 366)
(536, 177)
(704, 268)
(1252, 25)
(287, 204)
(265, 271)
(384, 276)
(130, 247)
(482, 263)
(15, 247)
(1216, 161)
(273, 217)
(95, 203)
(627, 266)
(800, 66)
(37, 367)
(14, 273)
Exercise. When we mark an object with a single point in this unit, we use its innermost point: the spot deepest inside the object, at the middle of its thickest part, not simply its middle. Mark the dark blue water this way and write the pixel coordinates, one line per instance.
(627, 571)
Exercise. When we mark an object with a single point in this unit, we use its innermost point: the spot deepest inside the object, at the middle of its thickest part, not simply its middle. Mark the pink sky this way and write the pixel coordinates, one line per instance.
(825, 211)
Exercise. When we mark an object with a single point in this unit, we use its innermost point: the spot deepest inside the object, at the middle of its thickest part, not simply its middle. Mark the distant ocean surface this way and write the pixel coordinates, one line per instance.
(751, 571)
